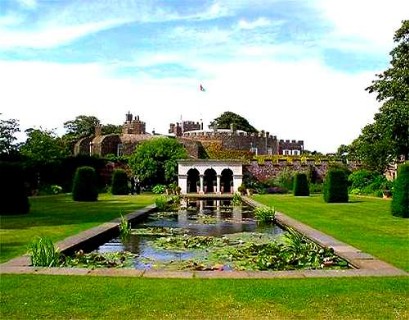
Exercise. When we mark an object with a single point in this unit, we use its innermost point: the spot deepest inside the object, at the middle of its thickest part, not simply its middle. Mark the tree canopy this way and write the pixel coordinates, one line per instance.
(8, 130)
(43, 146)
(155, 161)
(225, 120)
(386, 139)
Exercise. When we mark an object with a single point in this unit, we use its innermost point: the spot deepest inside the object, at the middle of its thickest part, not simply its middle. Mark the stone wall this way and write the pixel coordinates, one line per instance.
(264, 143)
(270, 170)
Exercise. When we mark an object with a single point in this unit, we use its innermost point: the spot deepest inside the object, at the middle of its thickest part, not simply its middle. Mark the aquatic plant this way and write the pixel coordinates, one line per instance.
(100, 260)
(236, 201)
(264, 214)
(124, 228)
(43, 253)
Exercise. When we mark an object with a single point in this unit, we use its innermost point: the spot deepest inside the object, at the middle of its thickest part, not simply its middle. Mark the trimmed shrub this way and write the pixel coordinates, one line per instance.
(336, 186)
(301, 186)
(85, 185)
(400, 200)
(119, 182)
(13, 195)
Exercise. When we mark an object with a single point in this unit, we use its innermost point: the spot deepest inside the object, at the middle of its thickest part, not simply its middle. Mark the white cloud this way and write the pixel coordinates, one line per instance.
(368, 20)
(52, 36)
(260, 22)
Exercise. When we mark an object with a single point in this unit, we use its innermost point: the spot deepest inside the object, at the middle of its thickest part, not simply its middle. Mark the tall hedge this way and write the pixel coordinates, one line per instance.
(119, 182)
(13, 195)
(336, 186)
(85, 185)
(400, 200)
(301, 185)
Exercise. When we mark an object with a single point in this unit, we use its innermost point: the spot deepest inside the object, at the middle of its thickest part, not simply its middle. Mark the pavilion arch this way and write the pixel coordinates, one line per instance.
(193, 182)
(214, 176)
(226, 180)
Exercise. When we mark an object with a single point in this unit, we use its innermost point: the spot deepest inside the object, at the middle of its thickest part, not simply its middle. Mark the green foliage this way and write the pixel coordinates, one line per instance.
(236, 201)
(85, 185)
(265, 214)
(228, 118)
(161, 203)
(13, 194)
(8, 129)
(155, 161)
(368, 182)
(301, 185)
(159, 189)
(285, 179)
(43, 146)
(119, 184)
(386, 139)
(400, 201)
(43, 253)
(335, 186)
(93, 260)
(124, 228)
(82, 126)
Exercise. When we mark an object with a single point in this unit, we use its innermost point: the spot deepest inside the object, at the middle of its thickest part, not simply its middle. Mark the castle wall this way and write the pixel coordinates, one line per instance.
(258, 143)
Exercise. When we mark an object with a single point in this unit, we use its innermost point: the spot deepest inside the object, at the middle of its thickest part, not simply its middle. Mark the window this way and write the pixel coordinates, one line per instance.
(296, 152)
(254, 150)
(286, 152)
(270, 151)
(119, 150)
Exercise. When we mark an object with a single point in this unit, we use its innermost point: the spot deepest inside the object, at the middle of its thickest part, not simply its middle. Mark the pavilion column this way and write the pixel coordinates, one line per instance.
(201, 184)
(218, 185)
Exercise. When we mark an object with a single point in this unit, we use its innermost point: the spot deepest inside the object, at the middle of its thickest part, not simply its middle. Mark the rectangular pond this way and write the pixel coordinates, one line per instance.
(211, 235)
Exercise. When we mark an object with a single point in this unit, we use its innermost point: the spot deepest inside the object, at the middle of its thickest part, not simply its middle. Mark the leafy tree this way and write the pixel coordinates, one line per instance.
(8, 129)
(43, 146)
(225, 120)
(387, 138)
(155, 161)
(111, 128)
(82, 126)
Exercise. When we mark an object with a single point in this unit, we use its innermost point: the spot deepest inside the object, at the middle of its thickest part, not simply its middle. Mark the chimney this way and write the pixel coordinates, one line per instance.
(98, 130)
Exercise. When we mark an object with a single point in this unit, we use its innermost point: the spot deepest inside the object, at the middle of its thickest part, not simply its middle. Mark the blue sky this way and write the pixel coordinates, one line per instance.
(295, 68)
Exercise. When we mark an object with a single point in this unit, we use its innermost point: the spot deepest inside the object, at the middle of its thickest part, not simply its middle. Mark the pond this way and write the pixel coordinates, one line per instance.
(211, 235)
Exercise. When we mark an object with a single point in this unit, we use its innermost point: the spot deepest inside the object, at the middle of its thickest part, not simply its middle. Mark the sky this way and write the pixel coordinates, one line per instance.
(295, 68)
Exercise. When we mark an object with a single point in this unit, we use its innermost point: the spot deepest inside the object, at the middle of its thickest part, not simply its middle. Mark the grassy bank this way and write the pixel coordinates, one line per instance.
(58, 217)
(364, 222)
(79, 297)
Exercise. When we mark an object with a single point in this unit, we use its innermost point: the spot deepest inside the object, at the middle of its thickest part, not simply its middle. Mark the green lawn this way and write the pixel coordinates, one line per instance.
(79, 297)
(59, 217)
(365, 223)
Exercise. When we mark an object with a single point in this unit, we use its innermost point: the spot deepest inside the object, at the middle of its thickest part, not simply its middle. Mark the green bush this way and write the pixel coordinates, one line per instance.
(265, 214)
(119, 182)
(13, 195)
(400, 200)
(301, 186)
(85, 185)
(159, 189)
(336, 186)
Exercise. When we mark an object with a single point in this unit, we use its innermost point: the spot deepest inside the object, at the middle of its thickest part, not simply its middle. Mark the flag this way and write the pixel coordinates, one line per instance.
(202, 88)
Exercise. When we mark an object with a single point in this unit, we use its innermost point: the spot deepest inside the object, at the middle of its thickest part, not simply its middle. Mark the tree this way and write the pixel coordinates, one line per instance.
(119, 184)
(155, 161)
(336, 186)
(225, 120)
(387, 137)
(82, 126)
(301, 186)
(8, 129)
(111, 128)
(43, 146)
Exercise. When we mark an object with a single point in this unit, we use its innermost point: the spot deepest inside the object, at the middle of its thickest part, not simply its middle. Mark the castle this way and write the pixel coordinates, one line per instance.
(193, 137)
